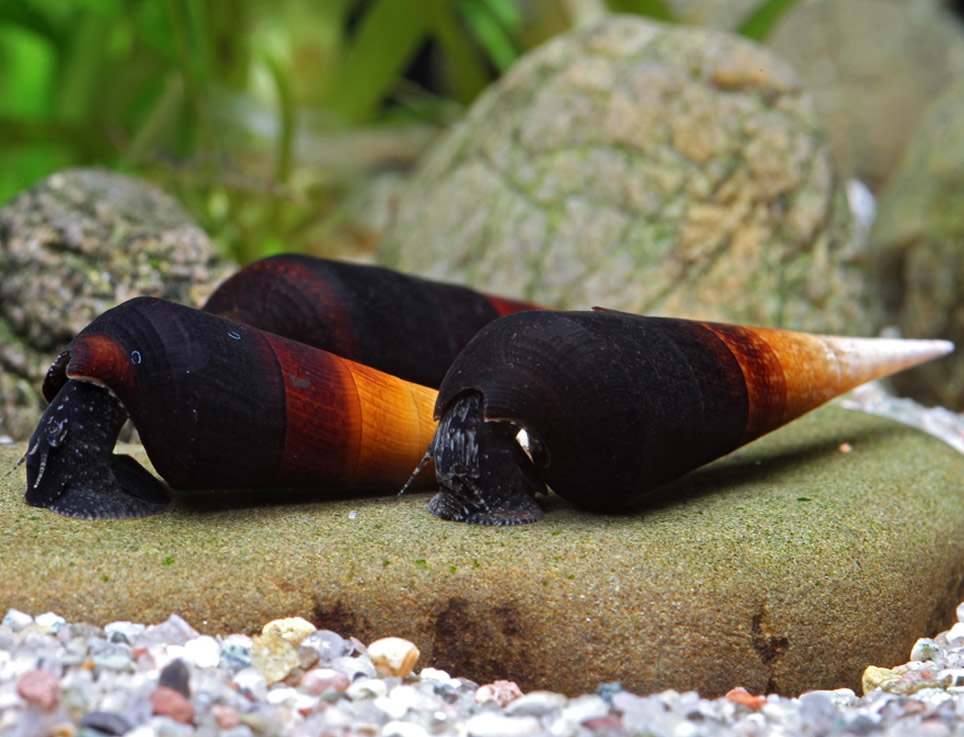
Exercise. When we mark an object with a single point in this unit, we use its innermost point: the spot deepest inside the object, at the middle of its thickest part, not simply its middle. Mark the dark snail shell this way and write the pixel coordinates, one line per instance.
(217, 404)
(403, 325)
(615, 405)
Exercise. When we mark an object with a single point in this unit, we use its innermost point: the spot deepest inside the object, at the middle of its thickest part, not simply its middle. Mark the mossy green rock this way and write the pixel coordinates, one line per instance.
(645, 167)
(789, 565)
(75, 244)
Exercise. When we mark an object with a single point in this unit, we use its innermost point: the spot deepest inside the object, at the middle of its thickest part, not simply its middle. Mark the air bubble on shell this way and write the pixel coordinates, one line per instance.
(234, 335)
(136, 357)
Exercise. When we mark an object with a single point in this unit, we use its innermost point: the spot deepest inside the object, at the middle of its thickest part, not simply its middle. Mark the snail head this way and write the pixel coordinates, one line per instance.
(70, 467)
(485, 476)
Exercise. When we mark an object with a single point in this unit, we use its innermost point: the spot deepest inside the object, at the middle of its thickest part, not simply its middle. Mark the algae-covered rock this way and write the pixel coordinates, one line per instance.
(71, 247)
(918, 246)
(645, 167)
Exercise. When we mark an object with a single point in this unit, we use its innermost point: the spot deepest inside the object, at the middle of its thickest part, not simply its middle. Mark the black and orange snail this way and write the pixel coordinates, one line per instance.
(223, 403)
(307, 377)
(615, 405)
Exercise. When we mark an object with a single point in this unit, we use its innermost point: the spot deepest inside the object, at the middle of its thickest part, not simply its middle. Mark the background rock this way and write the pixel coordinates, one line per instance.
(918, 245)
(76, 244)
(872, 67)
(645, 167)
(790, 565)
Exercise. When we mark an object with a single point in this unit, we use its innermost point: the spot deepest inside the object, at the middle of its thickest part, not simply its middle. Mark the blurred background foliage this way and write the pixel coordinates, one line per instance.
(262, 116)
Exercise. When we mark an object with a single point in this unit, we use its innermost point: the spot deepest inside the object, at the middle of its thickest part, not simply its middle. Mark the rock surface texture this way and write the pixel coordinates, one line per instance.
(645, 167)
(790, 565)
(74, 245)
(918, 245)
(873, 66)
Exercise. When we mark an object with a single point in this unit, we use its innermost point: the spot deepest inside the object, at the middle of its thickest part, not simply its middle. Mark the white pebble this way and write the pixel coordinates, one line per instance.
(392, 708)
(128, 630)
(960, 612)
(354, 667)
(251, 681)
(584, 708)
(396, 728)
(203, 651)
(17, 620)
(436, 675)
(50, 621)
(329, 645)
(366, 688)
(291, 697)
(393, 656)
(292, 629)
(535, 704)
(925, 649)
(956, 632)
(143, 730)
(491, 724)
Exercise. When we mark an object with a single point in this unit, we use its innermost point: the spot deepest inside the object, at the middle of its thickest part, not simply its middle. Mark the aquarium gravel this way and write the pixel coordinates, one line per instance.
(64, 679)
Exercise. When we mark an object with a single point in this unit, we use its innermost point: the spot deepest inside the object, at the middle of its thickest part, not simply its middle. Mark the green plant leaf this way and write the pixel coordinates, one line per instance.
(655, 9)
(760, 21)
(494, 29)
(464, 68)
(385, 41)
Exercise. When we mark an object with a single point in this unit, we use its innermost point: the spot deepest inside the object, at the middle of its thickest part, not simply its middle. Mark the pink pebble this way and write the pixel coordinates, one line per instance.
(169, 703)
(226, 716)
(319, 680)
(39, 687)
(501, 692)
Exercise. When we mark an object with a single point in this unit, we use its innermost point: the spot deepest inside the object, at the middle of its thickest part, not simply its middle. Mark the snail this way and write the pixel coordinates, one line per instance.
(404, 325)
(614, 405)
(218, 404)
(225, 403)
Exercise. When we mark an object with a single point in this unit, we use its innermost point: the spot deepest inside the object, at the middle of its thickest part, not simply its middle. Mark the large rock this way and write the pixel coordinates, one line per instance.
(645, 167)
(872, 66)
(74, 245)
(918, 246)
(787, 566)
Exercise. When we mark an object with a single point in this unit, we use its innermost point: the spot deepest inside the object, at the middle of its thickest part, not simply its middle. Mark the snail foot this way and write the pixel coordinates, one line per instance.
(484, 475)
(70, 467)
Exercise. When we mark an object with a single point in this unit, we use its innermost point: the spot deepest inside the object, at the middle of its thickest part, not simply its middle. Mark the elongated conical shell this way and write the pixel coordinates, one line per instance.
(787, 373)
(616, 404)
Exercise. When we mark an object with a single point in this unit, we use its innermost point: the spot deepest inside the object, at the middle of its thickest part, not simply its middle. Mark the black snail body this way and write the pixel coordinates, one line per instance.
(615, 405)
(232, 403)
(403, 325)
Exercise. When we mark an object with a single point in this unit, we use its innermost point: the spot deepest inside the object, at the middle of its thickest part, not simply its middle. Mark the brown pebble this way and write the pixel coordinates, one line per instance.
(167, 702)
(226, 716)
(501, 692)
(319, 680)
(40, 688)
